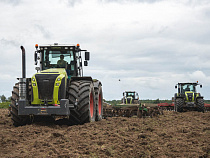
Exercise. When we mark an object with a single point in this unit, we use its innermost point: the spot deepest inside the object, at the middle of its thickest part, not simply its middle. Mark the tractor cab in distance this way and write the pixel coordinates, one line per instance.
(130, 97)
(188, 98)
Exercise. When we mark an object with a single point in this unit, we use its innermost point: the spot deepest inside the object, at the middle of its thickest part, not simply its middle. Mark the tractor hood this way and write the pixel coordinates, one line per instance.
(190, 96)
(49, 86)
(61, 71)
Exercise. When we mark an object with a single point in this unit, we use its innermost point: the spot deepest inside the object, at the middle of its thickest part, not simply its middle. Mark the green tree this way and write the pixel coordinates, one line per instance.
(156, 101)
(3, 98)
(9, 99)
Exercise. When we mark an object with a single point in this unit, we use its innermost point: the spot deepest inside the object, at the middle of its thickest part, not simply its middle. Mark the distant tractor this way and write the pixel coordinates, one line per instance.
(58, 88)
(130, 97)
(130, 106)
(188, 98)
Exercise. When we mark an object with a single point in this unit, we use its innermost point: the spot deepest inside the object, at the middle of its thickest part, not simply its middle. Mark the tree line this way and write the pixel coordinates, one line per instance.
(4, 99)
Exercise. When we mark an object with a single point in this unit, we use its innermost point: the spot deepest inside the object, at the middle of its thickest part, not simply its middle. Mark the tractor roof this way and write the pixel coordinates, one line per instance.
(130, 91)
(60, 46)
(56, 45)
(188, 83)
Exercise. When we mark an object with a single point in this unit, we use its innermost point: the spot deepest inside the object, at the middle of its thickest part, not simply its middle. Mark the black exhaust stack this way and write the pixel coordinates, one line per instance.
(23, 62)
(22, 81)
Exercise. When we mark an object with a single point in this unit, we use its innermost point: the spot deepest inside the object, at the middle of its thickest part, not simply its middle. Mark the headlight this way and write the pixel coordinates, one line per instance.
(33, 79)
(34, 84)
(59, 79)
(57, 84)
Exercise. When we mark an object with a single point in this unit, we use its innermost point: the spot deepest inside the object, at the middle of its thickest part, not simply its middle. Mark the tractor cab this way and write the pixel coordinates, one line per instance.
(61, 56)
(56, 64)
(184, 87)
(130, 97)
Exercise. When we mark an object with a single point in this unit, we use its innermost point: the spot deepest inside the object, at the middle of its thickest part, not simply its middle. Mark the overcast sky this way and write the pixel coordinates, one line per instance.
(150, 45)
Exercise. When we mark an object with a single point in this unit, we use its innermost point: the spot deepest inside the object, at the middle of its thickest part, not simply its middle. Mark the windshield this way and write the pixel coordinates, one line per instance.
(188, 87)
(130, 94)
(52, 58)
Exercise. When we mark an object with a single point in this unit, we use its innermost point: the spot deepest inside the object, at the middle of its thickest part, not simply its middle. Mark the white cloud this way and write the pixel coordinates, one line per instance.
(149, 45)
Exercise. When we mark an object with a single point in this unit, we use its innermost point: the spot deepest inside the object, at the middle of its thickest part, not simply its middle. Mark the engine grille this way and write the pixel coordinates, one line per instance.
(45, 84)
(129, 101)
(190, 96)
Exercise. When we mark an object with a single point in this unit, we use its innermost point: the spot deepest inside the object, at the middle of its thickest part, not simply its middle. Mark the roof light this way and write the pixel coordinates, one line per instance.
(197, 81)
(36, 45)
(78, 45)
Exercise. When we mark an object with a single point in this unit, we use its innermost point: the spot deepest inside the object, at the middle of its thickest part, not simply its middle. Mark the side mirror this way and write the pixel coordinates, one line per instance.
(87, 55)
(201, 86)
(35, 57)
(176, 87)
(80, 64)
(85, 63)
(123, 93)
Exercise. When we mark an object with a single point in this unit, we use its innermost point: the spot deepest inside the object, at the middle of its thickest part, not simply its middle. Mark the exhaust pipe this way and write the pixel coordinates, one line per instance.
(22, 81)
(23, 62)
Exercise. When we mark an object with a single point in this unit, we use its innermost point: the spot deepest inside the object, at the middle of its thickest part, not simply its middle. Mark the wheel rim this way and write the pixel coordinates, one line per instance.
(91, 105)
(99, 104)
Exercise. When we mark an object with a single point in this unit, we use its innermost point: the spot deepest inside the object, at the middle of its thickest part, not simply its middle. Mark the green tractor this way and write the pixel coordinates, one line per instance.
(130, 106)
(130, 97)
(188, 98)
(58, 88)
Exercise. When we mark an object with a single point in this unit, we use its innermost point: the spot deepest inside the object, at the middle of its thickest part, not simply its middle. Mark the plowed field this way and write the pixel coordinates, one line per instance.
(169, 135)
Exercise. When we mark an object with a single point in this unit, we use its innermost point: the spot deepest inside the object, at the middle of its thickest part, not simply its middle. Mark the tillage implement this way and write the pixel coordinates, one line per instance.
(130, 106)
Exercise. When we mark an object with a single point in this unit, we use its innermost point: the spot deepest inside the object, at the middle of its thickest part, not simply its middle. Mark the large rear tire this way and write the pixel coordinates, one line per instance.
(81, 94)
(98, 101)
(179, 102)
(200, 105)
(17, 120)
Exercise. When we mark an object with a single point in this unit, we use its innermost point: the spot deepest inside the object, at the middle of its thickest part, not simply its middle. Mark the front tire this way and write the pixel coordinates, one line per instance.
(200, 105)
(179, 102)
(17, 120)
(81, 94)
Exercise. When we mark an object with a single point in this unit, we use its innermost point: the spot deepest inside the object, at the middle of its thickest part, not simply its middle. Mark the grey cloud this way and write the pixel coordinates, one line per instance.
(12, 2)
(44, 31)
(124, 1)
(193, 3)
(6, 42)
(71, 3)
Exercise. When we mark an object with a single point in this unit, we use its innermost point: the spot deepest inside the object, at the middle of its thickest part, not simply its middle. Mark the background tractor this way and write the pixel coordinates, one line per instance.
(188, 98)
(130, 97)
(58, 88)
(130, 106)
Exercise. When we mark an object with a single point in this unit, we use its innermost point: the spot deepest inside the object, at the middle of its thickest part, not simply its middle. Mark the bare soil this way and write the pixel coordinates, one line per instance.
(169, 135)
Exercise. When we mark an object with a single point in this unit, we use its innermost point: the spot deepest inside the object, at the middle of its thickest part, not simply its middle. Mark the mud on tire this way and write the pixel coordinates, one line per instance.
(200, 105)
(17, 120)
(82, 93)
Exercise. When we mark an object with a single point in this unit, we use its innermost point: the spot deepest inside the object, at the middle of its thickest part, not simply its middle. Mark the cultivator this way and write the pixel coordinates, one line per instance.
(207, 107)
(130, 110)
(130, 106)
(170, 106)
(166, 106)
